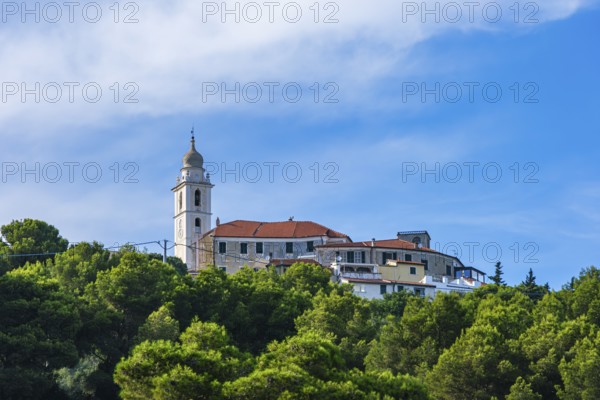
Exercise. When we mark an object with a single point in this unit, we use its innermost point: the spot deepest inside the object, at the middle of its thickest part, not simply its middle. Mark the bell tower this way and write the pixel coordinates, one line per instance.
(192, 217)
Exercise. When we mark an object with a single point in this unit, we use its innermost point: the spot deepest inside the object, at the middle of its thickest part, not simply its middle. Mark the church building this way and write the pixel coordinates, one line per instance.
(404, 261)
(192, 201)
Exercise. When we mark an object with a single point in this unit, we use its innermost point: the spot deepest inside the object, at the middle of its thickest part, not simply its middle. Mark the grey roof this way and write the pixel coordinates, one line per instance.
(414, 233)
(193, 159)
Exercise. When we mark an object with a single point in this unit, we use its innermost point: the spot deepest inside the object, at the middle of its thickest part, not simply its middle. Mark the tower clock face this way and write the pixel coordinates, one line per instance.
(180, 229)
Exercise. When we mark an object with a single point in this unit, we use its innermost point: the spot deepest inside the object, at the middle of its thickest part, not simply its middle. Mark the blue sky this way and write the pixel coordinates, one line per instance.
(370, 147)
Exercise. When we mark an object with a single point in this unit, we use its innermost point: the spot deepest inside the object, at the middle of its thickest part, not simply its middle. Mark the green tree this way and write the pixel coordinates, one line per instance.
(391, 304)
(297, 367)
(159, 325)
(345, 316)
(135, 288)
(547, 341)
(497, 277)
(521, 390)
(257, 308)
(194, 367)
(80, 264)
(580, 374)
(77, 382)
(311, 366)
(415, 341)
(485, 361)
(529, 281)
(38, 327)
(174, 262)
(385, 385)
(309, 277)
(312, 351)
(117, 304)
(288, 382)
(30, 236)
(585, 297)
(531, 288)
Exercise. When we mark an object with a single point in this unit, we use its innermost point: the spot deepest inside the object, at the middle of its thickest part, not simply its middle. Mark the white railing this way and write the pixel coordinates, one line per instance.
(361, 275)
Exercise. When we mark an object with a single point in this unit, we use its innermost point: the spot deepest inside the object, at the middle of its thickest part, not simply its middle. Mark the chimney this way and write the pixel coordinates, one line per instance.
(398, 235)
(373, 242)
(218, 221)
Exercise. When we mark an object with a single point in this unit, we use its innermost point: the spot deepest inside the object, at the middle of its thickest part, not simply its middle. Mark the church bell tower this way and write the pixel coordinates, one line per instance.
(192, 217)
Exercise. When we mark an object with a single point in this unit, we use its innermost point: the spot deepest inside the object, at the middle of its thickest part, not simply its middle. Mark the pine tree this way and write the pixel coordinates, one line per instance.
(529, 281)
(497, 277)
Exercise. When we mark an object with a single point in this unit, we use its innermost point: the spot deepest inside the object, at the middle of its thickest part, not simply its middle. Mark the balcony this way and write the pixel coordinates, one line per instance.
(361, 275)
(356, 270)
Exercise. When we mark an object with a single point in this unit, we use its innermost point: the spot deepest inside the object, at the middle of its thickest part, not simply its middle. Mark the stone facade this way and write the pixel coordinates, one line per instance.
(379, 252)
(254, 244)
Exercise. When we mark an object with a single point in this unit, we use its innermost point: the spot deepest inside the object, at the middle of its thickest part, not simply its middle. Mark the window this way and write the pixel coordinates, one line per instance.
(310, 246)
(382, 289)
(197, 198)
(448, 270)
(289, 248)
(197, 225)
(420, 292)
(350, 256)
(425, 263)
(413, 270)
(243, 248)
(407, 257)
(259, 248)
(357, 257)
(222, 247)
(180, 201)
(360, 288)
(389, 256)
(399, 288)
(224, 269)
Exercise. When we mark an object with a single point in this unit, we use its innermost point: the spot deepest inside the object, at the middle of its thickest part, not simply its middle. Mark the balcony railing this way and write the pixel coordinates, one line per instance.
(361, 275)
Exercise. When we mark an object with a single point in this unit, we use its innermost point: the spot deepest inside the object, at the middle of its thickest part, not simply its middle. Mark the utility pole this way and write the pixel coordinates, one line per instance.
(165, 251)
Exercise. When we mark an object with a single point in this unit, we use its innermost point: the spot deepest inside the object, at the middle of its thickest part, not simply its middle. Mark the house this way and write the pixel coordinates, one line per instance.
(458, 285)
(374, 267)
(232, 245)
(379, 252)
(369, 281)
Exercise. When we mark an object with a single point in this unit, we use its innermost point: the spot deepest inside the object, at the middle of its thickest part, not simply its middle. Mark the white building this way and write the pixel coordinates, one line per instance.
(239, 243)
(192, 203)
(372, 281)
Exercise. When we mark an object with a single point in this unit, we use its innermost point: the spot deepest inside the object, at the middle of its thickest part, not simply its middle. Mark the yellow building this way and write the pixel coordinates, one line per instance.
(406, 271)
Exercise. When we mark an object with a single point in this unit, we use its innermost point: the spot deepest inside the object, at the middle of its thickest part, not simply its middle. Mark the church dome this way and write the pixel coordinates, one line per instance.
(193, 159)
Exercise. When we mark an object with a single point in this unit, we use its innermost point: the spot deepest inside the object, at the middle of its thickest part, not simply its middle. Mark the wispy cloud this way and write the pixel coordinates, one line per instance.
(173, 50)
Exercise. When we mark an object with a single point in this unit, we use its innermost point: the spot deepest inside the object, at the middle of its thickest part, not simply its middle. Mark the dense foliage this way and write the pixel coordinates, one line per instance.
(86, 323)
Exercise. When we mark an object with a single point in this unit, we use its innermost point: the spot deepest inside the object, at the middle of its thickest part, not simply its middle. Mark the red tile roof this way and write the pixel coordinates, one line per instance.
(290, 261)
(274, 230)
(388, 244)
(386, 281)
(407, 262)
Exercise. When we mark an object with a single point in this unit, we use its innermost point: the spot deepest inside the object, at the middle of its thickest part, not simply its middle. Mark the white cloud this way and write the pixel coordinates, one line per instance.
(171, 52)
